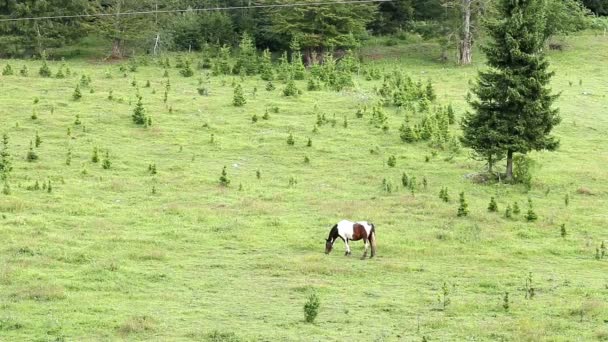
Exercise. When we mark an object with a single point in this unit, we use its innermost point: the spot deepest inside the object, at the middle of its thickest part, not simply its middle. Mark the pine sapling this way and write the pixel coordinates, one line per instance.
(563, 232)
(404, 180)
(106, 163)
(492, 207)
(224, 181)
(309, 143)
(463, 208)
(77, 94)
(392, 161)
(516, 209)
(311, 308)
(238, 99)
(31, 154)
(290, 140)
(95, 157)
(508, 212)
(531, 215)
(37, 140)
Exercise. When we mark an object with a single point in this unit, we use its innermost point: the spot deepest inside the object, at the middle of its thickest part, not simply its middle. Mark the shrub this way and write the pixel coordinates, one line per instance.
(508, 212)
(25, 72)
(290, 140)
(392, 161)
(311, 308)
(563, 232)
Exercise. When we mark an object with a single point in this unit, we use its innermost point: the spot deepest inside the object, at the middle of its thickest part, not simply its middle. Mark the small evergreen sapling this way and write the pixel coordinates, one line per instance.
(139, 113)
(37, 140)
(463, 208)
(238, 99)
(404, 180)
(392, 161)
(290, 140)
(291, 89)
(95, 157)
(443, 194)
(492, 207)
(106, 163)
(309, 143)
(531, 215)
(563, 232)
(516, 209)
(7, 71)
(77, 95)
(508, 212)
(270, 86)
(254, 118)
(224, 181)
(311, 308)
(31, 154)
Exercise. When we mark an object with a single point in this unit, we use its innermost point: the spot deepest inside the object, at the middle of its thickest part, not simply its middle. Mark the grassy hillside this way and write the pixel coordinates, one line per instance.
(102, 257)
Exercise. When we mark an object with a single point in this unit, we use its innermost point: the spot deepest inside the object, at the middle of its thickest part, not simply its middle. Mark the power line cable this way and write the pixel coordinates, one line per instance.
(339, 2)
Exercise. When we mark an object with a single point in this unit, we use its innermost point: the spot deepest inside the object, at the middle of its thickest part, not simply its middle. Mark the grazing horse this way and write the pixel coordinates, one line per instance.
(355, 231)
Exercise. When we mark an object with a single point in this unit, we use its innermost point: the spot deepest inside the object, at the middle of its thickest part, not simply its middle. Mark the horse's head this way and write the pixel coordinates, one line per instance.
(329, 244)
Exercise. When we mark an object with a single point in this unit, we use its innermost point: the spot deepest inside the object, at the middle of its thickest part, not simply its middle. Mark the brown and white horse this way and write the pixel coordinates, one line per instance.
(352, 231)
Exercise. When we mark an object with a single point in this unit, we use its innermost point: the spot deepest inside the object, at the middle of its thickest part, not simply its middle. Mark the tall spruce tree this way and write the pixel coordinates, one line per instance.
(512, 107)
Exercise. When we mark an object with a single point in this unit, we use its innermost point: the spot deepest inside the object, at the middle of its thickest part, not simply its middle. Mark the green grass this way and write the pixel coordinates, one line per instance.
(102, 258)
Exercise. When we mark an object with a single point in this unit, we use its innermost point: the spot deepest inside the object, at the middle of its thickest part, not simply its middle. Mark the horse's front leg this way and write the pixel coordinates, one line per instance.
(366, 242)
(347, 253)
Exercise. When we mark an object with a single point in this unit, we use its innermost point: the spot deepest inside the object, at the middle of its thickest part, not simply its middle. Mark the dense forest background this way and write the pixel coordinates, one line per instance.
(455, 24)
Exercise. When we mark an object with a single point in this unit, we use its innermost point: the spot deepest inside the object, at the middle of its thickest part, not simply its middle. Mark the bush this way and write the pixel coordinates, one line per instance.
(311, 308)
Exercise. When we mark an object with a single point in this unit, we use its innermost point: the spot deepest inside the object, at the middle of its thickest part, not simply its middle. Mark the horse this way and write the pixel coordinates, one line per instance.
(352, 231)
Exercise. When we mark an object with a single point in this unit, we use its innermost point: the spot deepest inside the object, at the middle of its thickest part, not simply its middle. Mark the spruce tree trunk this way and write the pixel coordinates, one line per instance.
(490, 164)
(466, 41)
(509, 176)
(116, 49)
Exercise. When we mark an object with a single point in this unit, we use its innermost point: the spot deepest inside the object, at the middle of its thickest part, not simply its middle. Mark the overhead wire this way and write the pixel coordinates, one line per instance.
(210, 9)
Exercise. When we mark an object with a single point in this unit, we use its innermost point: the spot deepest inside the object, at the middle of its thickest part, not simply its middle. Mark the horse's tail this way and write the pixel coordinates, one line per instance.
(372, 239)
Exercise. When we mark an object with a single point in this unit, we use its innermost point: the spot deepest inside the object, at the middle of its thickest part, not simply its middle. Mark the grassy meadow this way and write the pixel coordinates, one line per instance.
(125, 254)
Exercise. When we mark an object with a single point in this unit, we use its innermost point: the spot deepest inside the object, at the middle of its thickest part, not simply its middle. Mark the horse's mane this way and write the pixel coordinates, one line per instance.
(333, 233)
